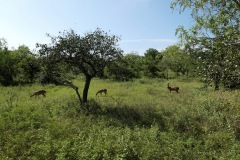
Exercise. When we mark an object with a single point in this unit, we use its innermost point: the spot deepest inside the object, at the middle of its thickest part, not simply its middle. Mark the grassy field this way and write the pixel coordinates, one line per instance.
(135, 120)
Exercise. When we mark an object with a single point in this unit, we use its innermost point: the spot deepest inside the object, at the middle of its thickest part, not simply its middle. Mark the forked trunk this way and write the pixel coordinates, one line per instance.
(216, 85)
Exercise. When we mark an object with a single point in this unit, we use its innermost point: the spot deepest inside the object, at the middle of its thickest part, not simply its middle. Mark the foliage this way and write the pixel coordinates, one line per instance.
(152, 59)
(29, 65)
(3, 43)
(8, 66)
(51, 72)
(126, 67)
(90, 53)
(177, 60)
(214, 38)
(17, 65)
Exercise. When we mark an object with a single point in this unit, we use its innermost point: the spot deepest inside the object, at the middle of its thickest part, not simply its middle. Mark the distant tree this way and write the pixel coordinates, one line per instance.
(153, 54)
(17, 65)
(126, 67)
(152, 59)
(177, 60)
(51, 70)
(214, 38)
(9, 61)
(29, 65)
(89, 53)
(3, 43)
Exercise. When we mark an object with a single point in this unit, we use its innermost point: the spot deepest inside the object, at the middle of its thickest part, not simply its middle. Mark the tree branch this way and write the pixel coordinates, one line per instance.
(237, 3)
(75, 88)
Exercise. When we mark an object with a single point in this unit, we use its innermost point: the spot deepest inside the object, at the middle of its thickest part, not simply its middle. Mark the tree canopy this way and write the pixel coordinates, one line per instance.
(152, 60)
(177, 60)
(125, 67)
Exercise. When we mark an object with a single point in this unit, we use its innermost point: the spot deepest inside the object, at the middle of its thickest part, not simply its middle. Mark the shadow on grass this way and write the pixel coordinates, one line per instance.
(131, 116)
(125, 115)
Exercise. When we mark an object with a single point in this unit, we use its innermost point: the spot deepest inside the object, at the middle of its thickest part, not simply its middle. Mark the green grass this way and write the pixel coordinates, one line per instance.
(135, 120)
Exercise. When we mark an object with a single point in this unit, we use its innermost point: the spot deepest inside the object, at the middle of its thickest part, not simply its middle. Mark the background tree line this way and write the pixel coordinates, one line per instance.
(23, 66)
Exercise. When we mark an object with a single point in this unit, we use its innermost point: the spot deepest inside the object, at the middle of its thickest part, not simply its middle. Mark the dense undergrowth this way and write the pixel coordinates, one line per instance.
(135, 120)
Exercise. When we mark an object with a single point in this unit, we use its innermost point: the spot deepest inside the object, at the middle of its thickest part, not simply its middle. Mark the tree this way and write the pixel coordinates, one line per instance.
(126, 67)
(8, 64)
(51, 71)
(152, 59)
(214, 38)
(89, 53)
(177, 60)
(17, 65)
(3, 43)
(29, 65)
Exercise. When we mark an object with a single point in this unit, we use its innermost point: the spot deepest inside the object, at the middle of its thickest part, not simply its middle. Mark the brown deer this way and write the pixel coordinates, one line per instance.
(173, 88)
(102, 91)
(40, 92)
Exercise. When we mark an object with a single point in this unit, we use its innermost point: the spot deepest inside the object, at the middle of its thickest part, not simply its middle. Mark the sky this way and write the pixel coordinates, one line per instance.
(141, 24)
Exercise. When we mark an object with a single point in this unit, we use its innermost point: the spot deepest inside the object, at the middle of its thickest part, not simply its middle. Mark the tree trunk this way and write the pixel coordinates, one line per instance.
(217, 81)
(86, 87)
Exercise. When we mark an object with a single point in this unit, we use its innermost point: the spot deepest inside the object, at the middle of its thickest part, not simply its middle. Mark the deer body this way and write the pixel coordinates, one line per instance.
(173, 88)
(40, 92)
(102, 91)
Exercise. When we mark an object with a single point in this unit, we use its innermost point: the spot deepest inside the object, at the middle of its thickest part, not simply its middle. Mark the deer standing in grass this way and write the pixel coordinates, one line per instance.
(173, 88)
(102, 91)
(37, 93)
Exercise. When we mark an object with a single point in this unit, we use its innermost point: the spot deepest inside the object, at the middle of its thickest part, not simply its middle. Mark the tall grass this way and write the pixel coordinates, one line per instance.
(135, 120)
